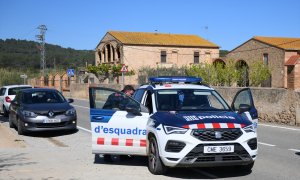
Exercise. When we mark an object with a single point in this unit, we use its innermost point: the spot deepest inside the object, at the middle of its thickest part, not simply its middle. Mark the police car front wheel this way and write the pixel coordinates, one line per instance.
(155, 165)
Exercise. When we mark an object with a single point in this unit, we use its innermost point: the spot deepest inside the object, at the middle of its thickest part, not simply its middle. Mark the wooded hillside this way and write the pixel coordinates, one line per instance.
(22, 54)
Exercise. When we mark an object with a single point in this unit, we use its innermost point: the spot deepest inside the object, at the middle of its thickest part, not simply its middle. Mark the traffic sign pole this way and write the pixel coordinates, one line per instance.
(122, 80)
(123, 70)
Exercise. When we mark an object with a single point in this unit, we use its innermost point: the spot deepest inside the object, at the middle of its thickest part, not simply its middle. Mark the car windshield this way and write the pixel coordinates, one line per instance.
(190, 100)
(41, 97)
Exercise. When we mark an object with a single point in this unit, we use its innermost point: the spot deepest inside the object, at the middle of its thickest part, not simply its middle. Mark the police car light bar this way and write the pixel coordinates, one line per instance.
(175, 79)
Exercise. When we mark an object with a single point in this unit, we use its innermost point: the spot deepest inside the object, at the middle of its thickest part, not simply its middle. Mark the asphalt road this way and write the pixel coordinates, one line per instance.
(67, 155)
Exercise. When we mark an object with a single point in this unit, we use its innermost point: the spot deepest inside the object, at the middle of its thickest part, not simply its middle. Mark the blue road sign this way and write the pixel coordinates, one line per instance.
(70, 72)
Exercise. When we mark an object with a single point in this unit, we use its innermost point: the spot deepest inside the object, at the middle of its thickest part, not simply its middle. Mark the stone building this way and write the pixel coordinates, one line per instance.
(140, 49)
(275, 52)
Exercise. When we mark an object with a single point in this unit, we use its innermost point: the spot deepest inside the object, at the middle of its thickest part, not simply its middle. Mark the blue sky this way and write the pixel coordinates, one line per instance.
(82, 24)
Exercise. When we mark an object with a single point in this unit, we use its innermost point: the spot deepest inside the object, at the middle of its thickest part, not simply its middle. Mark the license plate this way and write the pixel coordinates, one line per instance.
(218, 149)
(51, 121)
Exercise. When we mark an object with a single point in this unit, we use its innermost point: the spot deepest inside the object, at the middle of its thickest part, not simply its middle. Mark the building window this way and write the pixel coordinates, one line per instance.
(196, 57)
(163, 56)
(266, 59)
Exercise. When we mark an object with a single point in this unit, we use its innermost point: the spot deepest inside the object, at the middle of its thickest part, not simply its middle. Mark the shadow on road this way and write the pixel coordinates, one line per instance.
(9, 160)
(183, 173)
(47, 134)
(297, 153)
(121, 160)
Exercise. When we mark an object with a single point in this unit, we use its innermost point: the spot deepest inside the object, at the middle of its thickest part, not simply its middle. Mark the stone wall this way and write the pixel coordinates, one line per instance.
(275, 105)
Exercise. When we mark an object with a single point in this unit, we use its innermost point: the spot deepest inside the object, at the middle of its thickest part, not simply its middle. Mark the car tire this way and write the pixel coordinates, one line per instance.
(20, 127)
(246, 168)
(5, 112)
(155, 165)
(11, 124)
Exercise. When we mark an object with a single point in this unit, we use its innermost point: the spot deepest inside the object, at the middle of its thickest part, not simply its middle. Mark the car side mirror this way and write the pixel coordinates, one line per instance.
(243, 108)
(70, 100)
(133, 109)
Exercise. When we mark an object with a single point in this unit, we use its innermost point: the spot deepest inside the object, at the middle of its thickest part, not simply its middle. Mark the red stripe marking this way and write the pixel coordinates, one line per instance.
(115, 141)
(129, 142)
(100, 141)
(143, 142)
(186, 126)
(216, 125)
(230, 125)
(201, 126)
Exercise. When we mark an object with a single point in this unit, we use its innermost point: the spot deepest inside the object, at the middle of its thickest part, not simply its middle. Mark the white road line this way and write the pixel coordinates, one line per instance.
(266, 144)
(81, 106)
(80, 99)
(296, 150)
(84, 129)
(293, 129)
(205, 173)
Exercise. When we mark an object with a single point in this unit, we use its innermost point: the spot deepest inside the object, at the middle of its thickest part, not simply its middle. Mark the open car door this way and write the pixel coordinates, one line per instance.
(243, 103)
(118, 123)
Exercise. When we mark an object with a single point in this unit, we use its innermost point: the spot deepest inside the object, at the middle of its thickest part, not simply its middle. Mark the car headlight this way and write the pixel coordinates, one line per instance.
(28, 114)
(249, 128)
(174, 130)
(71, 112)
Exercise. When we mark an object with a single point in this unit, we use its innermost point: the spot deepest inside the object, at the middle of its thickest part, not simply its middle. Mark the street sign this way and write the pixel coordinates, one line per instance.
(124, 68)
(71, 72)
(24, 76)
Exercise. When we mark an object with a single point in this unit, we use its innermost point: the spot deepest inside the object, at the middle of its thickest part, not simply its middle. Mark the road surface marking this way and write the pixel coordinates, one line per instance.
(81, 106)
(296, 150)
(84, 129)
(293, 129)
(205, 173)
(266, 144)
(80, 99)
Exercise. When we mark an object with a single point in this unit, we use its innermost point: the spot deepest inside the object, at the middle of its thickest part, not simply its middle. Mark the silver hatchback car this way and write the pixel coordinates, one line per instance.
(41, 109)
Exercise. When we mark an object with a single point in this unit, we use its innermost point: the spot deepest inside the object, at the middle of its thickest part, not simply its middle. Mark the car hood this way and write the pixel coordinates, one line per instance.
(45, 108)
(200, 119)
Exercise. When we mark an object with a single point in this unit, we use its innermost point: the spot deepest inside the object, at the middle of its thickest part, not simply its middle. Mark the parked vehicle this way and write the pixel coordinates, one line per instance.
(176, 122)
(41, 109)
(7, 94)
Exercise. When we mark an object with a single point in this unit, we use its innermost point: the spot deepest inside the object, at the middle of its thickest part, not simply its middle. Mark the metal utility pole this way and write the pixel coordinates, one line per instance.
(41, 39)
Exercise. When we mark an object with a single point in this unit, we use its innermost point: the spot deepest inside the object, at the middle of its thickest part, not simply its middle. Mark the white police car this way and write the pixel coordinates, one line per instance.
(176, 122)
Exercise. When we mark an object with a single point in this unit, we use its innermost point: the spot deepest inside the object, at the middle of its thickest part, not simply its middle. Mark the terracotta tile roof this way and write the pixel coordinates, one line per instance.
(142, 38)
(281, 42)
(293, 60)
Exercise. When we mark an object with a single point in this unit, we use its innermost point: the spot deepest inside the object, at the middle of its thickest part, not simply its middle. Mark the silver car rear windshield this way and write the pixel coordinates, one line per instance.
(190, 100)
(42, 97)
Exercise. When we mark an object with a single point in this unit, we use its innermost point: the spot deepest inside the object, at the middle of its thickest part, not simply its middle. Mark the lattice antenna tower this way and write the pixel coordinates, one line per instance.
(41, 39)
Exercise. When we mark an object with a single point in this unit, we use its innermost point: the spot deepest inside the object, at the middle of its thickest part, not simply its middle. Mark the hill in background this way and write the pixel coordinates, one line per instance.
(23, 54)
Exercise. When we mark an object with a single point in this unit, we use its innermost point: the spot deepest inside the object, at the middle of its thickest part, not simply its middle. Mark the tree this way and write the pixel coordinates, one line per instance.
(259, 72)
(108, 71)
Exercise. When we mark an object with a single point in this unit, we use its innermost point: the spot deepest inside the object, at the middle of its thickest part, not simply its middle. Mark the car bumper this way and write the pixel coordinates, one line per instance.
(192, 152)
(39, 123)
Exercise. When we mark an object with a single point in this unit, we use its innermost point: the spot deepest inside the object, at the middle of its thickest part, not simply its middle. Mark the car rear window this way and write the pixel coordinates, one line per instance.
(13, 91)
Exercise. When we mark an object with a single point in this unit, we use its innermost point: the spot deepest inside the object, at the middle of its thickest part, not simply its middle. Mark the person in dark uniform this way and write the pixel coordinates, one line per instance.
(118, 100)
